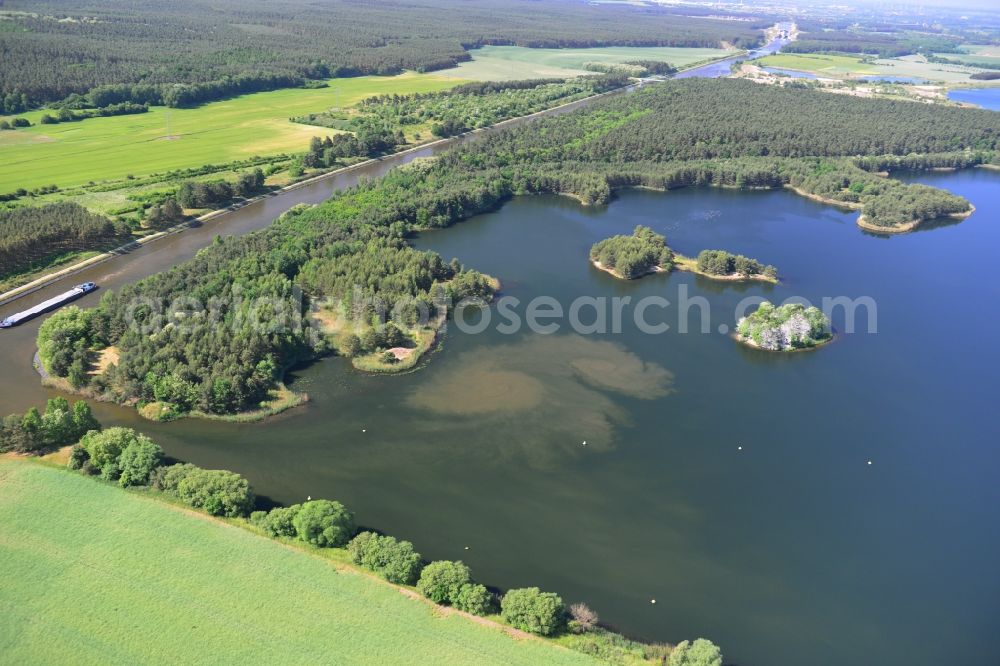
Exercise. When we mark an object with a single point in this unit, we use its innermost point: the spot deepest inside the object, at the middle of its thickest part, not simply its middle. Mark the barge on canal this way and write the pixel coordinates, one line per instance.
(51, 304)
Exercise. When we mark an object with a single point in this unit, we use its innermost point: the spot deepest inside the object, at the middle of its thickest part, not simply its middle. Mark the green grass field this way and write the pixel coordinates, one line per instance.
(833, 66)
(504, 63)
(93, 574)
(96, 149)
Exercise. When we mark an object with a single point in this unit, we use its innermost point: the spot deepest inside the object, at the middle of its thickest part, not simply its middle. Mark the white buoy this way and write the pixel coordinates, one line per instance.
(652, 601)
(869, 462)
(585, 442)
(739, 448)
(363, 430)
(309, 498)
(467, 548)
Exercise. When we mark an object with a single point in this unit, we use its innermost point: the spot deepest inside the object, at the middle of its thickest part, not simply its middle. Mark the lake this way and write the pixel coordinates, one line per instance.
(794, 73)
(988, 98)
(879, 78)
(733, 486)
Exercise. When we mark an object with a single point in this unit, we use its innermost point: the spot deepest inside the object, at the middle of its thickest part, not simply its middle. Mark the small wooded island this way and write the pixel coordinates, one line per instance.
(645, 251)
(790, 327)
(630, 257)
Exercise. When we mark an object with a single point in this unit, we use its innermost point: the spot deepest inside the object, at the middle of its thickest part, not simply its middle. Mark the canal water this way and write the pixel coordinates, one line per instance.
(825, 508)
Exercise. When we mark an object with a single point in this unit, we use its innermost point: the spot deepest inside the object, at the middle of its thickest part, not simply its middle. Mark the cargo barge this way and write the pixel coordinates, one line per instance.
(51, 304)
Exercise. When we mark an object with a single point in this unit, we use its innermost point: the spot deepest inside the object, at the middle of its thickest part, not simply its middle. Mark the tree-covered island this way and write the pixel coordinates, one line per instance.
(645, 251)
(788, 327)
(630, 257)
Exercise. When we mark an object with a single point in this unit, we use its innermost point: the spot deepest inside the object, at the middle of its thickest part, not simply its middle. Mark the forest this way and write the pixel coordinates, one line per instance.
(633, 256)
(255, 291)
(32, 236)
(186, 52)
(816, 38)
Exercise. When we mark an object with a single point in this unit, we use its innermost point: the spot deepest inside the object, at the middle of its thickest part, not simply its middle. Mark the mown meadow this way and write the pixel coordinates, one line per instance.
(162, 139)
(97, 575)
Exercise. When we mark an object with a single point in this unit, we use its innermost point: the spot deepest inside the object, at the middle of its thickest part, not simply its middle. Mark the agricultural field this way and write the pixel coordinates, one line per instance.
(976, 54)
(917, 66)
(845, 67)
(97, 149)
(505, 63)
(94, 574)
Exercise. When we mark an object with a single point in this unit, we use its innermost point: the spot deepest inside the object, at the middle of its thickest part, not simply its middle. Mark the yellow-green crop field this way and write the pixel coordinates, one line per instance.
(505, 63)
(93, 574)
(96, 149)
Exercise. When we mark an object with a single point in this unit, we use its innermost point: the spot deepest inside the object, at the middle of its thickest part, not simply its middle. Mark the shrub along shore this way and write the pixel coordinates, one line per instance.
(130, 460)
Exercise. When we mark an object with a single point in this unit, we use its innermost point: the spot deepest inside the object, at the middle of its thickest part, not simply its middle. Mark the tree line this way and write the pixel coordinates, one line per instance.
(126, 458)
(883, 45)
(720, 262)
(40, 432)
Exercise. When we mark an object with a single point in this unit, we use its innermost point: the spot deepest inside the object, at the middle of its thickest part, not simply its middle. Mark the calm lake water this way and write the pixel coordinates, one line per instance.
(878, 78)
(794, 73)
(988, 98)
(792, 550)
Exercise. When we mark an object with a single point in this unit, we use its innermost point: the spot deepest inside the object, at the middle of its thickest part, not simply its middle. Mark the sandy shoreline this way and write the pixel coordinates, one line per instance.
(610, 271)
(688, 265)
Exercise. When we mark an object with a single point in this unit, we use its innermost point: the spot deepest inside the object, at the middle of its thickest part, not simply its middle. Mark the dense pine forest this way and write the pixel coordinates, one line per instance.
(31, 236)
(676, 134)
(182, 53)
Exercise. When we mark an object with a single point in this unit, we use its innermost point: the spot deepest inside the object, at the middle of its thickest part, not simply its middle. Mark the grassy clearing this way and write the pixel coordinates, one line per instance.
(96, 149)
(94, 574)
(504, 63)
(338, 329)
(405, 359)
